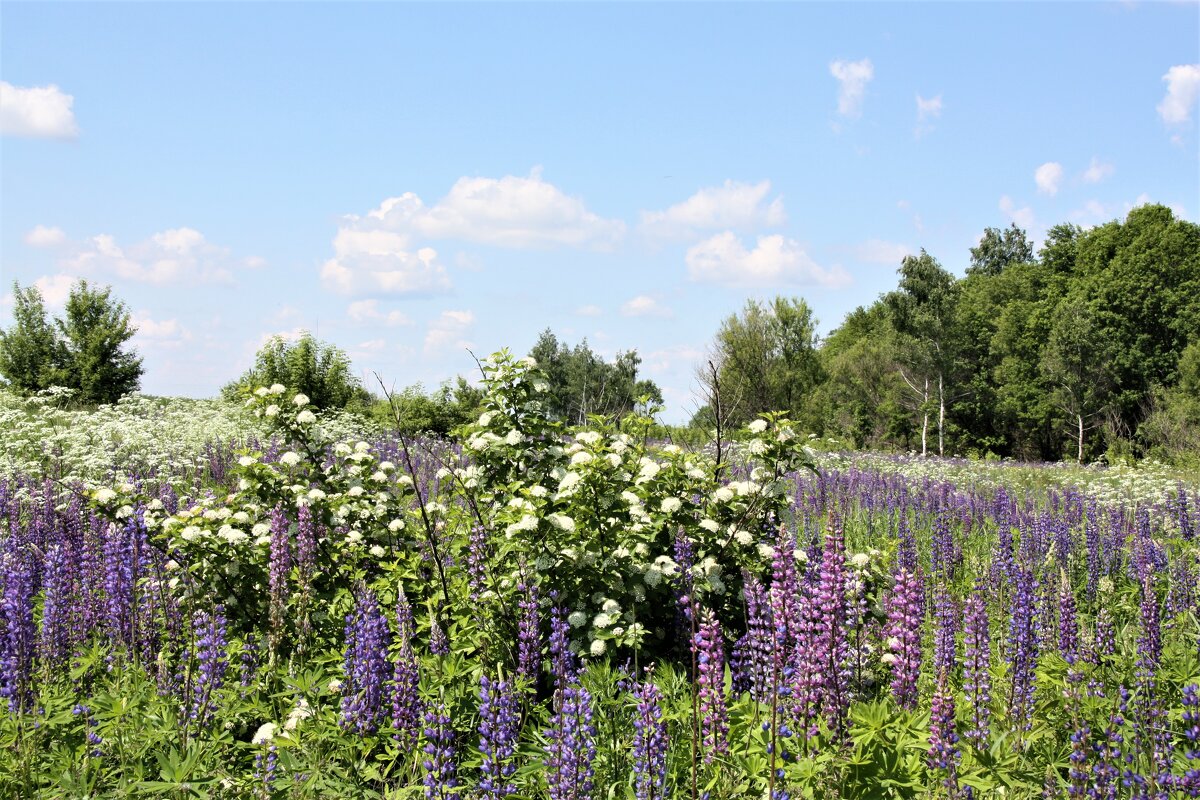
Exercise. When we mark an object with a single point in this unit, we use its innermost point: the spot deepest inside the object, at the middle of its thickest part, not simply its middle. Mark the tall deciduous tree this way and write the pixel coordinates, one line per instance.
(999, 248)
(93, 359)
(29, 348)
(583, 383)
(1076, 362)
(318, 369)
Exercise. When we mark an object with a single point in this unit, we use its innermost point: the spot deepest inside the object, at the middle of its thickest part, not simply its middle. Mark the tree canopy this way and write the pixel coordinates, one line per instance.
(318, 369)
(582, 383)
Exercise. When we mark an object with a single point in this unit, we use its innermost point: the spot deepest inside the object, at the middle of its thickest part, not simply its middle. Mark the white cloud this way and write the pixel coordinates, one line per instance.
(1022, 216)
(449, 332)
(677, 359)
(43, 236)
(645, 306)
(927, 111)
(382, 262)
(852, 77)
(41, 112)
(55, 288)
(1048, 176)
(367, 311)
(736, 205)
(589, 311)
(877, 251)
(1097, 171)
(161, 333)
(178, 255)
(1183, 87)
(513, 212)
(773, 261)
(372, 345)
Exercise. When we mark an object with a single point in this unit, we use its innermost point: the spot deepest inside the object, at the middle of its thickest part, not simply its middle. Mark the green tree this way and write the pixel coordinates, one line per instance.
(767, 360)
(28, 349)
(999, 248)
(922, 309)
(318, 369)
(92, 357)
(1076, 363)
(582, 383)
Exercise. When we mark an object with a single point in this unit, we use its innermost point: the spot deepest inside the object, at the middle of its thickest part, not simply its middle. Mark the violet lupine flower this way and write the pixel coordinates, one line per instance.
(941, 544)
(54, 645)
(710, 681)
(832, 645)
(783, 594)
(571, 746)
(407, 707)
(119, 582)
(17, 643)
(1105, 770)
(306, 544)
(905, 615)
(563, 667)
(529, 638)
(1180, 506)
(977, 675)
(649, 744)
(945, 617)
(89, 722)
(1023, 648)
(477, 564)
(499, 722)
(441, 778)
(366, 665)
(439, 643)
(211, 663)
(1104, 636)
(943, 739)
(754, 650)
(1068, 624)
(1091, 537)
(1189, 781)
(279, 568)
(1150, 640)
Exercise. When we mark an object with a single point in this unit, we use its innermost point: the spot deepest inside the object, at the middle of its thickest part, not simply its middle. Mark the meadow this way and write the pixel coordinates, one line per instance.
(257, 599)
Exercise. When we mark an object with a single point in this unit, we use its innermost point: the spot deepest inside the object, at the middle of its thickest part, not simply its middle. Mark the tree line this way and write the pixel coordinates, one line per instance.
(1089, 347)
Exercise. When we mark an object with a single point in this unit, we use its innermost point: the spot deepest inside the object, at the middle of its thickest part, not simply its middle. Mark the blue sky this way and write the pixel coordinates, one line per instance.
(413, 180)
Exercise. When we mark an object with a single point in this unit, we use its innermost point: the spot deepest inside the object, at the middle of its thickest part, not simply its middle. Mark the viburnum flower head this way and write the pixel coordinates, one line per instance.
(300, 400)
(758, 426)
(306, 417)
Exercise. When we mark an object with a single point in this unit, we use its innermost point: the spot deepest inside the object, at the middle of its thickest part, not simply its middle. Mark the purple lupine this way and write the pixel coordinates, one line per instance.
(306, 543)
(279, 568)
(119, 582)
(212, 661)
(1107, 757)
(407, 706)
(571, 746)
(1022, 648)
(1104, 636)
(1068, 623)
(529, 638)
(17, 642)
(1091, 536)
(439, 643)
(943, 739)
(783, 594)
(366, 665)
(1189, 720)
(477, 564)
(832, 645)
(945, 617)
(499, 726)
(709, 649)
(905, 615)
(1150, 638)
(441, 773)
(977, 674)
(54, 644)
(649, 744)
(563, 665)
(754, 650)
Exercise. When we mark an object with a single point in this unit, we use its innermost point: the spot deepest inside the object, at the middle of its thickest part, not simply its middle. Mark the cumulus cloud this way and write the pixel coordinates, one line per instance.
(1183, 87)
(159, 333)
(55, 288)
(927, 111)
(773, 261)
(382, 262)
(367, 312)
(1022, 216)
(43, 236)
(178, 255)
(513, 212)
(449, 332)
(39, 112)
(852, 78)
(734, 205)
(877, 251)
(589, 311)
(644, 306)
(1097, 171)
(1048, 177)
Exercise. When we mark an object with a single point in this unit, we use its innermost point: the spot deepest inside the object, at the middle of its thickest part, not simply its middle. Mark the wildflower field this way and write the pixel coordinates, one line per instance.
(207, 600)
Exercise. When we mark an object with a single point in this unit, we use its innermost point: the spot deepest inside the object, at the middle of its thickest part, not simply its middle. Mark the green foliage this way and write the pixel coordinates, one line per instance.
(999, 248)
(581, 383)
(440, 412)
(83, 351)
(317, 369)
